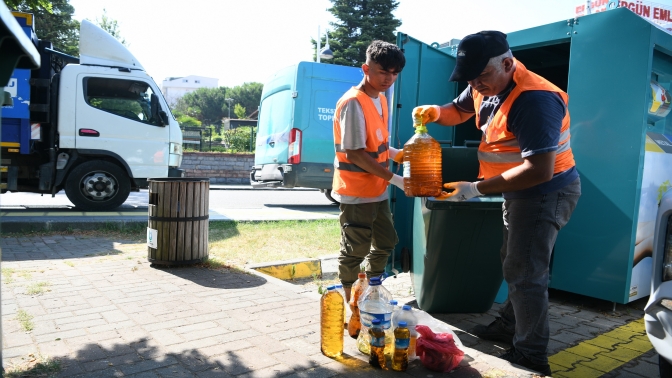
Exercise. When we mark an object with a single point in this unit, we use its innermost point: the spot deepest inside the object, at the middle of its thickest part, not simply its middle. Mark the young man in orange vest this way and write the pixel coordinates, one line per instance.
(524, 154)
(361, 176)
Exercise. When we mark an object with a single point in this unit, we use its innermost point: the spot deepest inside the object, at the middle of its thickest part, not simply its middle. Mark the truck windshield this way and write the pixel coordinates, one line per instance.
(126, 98)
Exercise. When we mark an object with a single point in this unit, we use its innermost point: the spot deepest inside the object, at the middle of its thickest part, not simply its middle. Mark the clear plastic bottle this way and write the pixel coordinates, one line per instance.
(377, 336)
(373, 304)
(406, 315)
(422, 165)
(402, 339)
(331, 322)
(389, 333)
(355, 325)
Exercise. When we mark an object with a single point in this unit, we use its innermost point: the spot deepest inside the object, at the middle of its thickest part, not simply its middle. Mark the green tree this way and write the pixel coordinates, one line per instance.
(240, 111)
(247, 95)
(205, 104)
(34, 4)
(111, 26)
(53, 22)
(360, 22)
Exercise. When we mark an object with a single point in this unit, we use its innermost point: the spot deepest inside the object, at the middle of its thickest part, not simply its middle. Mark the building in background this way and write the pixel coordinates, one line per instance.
(175, 87)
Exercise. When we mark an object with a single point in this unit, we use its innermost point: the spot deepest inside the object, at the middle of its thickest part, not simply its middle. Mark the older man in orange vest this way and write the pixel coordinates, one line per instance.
(524, 154)
(361, 176)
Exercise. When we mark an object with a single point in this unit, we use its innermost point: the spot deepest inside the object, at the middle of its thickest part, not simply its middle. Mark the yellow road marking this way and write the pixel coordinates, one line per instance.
(602, 354)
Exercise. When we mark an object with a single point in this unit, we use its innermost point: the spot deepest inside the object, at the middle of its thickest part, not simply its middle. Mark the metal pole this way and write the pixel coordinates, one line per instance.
(319, 39)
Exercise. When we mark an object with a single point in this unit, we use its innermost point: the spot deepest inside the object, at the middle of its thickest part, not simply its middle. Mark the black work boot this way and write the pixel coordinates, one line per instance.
(515, 357)
(495, 331)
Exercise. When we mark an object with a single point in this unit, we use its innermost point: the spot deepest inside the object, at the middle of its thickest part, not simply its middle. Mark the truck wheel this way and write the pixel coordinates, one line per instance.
(327, 193)
(97, 185)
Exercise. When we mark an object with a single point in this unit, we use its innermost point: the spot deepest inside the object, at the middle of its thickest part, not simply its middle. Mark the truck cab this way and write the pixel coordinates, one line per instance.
(97, 126)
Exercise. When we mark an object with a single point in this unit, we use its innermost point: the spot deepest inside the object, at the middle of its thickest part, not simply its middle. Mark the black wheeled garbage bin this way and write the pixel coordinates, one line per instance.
(456, 265)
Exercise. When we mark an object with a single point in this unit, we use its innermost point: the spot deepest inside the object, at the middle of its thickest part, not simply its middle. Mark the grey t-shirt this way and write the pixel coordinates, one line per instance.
(353, 137)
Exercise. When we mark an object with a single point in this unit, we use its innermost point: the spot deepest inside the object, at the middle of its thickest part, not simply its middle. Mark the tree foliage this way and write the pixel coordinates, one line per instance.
(247, 95)
(360, 22)
(240, 111)
(209, 106)
(205, 104)
(111, 26)
(53, 22)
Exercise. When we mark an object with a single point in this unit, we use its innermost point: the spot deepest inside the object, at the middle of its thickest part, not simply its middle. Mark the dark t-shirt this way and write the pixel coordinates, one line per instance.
(535, 119)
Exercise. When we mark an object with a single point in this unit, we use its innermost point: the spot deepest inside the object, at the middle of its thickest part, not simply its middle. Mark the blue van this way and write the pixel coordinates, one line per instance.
(295, 142)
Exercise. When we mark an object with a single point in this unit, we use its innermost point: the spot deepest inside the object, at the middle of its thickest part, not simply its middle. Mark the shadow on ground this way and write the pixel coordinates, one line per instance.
(213, 278)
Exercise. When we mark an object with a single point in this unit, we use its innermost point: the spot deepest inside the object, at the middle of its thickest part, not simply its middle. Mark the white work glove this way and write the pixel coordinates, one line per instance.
(462, 191)
(426, 114)
(397, 181)
(396, 155)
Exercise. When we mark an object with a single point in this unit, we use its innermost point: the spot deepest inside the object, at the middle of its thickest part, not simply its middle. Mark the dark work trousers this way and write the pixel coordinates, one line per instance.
(531, 226)
(367, 232)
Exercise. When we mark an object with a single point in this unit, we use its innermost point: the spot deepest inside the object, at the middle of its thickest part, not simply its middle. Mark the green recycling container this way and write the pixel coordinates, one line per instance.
(456, 266)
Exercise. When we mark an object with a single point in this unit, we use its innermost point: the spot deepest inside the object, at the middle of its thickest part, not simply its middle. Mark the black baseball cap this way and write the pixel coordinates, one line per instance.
(474, 52)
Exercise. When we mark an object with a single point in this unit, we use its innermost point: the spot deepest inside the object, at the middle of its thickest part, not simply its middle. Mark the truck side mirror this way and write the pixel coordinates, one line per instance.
(156, 111)
(164, 117)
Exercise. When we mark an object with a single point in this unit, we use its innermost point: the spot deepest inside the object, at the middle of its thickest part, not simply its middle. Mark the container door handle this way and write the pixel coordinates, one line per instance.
(89, 133)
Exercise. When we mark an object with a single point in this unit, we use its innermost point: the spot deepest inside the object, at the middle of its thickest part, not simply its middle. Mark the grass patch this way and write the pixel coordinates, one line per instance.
(25, 319)
(234, 243)
(240, 243)
(35, 367)
(7, 273)
(36, 288)
(69, 263)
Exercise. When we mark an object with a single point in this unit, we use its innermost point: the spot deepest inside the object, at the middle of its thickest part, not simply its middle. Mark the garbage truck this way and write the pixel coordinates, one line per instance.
(96, 126)
(295, 142)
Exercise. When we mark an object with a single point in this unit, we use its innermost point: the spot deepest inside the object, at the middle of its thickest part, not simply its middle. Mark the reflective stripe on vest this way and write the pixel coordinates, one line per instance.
(499, 150)
(350, 179)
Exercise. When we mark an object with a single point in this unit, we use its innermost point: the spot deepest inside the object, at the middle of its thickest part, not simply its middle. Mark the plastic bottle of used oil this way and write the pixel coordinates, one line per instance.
(402, 338)
(355, 325)
(422, 164)
(377, 355)
(332, 307)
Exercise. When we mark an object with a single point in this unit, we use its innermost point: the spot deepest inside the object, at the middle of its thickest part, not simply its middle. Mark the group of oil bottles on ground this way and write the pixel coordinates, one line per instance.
(383, 329)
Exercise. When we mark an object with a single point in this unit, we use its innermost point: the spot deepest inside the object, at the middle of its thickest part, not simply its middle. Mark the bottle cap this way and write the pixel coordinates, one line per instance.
(361, 275)
(375, 321)
(406, 307)
(393, 302)
(374, 281)
(403, 324)
(331, 287)
(338, 286)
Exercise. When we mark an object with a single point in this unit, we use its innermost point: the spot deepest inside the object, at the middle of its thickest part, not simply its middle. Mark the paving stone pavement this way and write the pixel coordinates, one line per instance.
(99, 308)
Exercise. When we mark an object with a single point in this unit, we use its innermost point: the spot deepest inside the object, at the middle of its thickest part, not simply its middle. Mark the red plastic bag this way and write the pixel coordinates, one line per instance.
(437, 351)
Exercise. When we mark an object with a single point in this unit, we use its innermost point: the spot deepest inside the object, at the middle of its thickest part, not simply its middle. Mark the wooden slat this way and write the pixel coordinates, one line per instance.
(164, 197)
(196, 237)
(188, 227)
(181, 225)
(206, 223)
(174, 196)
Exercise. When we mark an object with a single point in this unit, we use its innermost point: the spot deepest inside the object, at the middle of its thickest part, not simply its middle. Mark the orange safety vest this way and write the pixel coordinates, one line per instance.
(350, 179)
(499, 149)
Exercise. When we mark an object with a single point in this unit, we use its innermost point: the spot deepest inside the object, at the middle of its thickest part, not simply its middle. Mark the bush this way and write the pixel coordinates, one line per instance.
(239, 139)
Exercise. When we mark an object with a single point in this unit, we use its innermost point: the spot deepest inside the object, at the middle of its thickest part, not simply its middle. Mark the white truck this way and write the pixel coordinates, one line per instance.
(97, 126)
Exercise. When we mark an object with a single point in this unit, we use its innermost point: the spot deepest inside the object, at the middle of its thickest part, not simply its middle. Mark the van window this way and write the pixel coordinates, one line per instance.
(126, 98)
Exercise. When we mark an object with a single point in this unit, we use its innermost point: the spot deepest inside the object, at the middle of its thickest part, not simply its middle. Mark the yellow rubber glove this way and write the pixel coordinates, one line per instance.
(426, 113)
(399, 158)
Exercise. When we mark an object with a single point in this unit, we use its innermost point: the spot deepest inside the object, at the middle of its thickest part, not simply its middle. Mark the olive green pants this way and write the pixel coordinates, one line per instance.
(367, 232)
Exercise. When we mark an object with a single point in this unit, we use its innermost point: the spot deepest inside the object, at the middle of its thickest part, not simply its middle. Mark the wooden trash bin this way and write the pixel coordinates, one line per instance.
(177, 230)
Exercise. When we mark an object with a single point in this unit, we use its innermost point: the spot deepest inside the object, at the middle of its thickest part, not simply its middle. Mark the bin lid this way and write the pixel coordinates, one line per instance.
(476, 203)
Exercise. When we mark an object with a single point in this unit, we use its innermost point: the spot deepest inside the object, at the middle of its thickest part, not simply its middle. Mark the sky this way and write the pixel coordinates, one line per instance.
(238, 41)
